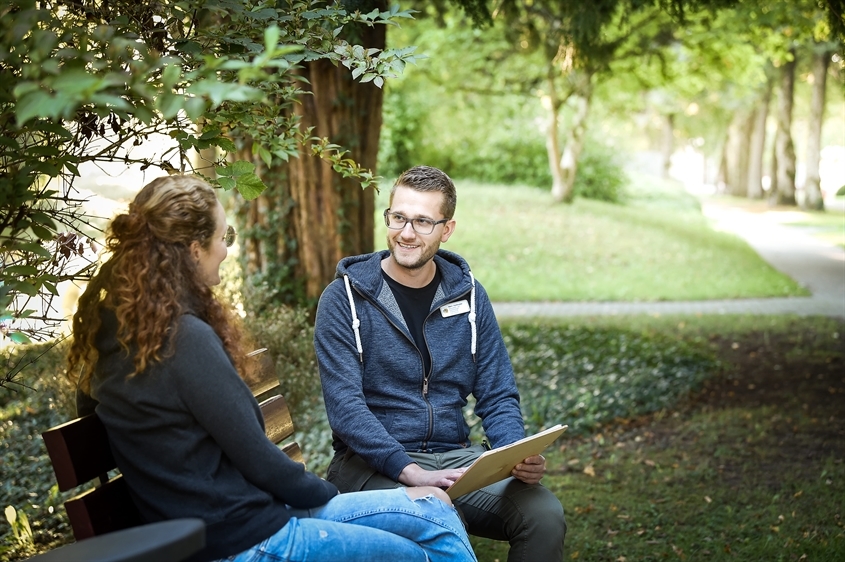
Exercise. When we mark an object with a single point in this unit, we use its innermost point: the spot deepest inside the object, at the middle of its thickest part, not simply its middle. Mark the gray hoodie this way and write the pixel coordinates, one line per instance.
(379, 401)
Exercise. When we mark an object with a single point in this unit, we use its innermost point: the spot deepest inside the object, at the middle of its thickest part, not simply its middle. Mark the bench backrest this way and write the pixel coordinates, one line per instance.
(80, 452)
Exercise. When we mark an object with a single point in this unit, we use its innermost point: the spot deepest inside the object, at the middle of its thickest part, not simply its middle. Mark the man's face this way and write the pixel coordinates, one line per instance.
(409, 249)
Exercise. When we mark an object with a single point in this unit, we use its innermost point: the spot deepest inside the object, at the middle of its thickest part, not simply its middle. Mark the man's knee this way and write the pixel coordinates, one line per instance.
(543, 513)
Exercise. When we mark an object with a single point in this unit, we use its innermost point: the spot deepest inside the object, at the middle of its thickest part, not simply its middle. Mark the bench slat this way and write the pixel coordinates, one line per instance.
(79, 451)
(294, 452)
(102, 510)
(278, 424)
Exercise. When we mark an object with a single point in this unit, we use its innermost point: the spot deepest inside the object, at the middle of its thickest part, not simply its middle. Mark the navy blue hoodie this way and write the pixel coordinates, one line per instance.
(379, 401)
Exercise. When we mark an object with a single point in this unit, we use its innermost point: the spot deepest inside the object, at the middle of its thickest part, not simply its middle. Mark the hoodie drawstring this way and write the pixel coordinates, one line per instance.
(472, 315)
(356, 322)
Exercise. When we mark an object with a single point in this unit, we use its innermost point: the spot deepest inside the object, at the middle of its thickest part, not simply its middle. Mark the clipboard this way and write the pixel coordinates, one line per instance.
(497, 464)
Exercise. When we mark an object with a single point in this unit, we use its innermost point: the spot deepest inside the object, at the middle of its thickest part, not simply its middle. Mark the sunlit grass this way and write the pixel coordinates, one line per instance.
(827, 226)
(522, 247)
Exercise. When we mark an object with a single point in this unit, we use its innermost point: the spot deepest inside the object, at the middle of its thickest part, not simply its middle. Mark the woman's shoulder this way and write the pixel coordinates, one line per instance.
(193, 329)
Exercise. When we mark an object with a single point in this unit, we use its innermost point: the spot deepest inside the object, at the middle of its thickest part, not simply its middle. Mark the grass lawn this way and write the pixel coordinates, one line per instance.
(748, 467)
(658, 246)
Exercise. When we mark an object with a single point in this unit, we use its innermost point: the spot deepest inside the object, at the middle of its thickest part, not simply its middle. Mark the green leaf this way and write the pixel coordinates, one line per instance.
(225, 144)
(19, 337)
(195, 108)
(171, 75)
(32, 248)
(250, 186)
(169, 105)
(43, 150)
(265, 155)
(241, 167)
(10, 142)
(48, 168)
(210, 131)
(41, 232)
(20, 270)
(271, 38)
(189, 47)
(51, 287)
(43, 218)
(35, 104)
(144, 115)
(24, 287)
(226, 183)
(77, 82)
(54, 128)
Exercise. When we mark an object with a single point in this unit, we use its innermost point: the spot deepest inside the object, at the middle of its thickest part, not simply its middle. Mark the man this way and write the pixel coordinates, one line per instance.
(403, 337)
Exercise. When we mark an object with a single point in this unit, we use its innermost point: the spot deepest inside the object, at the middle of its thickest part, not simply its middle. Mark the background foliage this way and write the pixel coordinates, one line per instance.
(87, 83)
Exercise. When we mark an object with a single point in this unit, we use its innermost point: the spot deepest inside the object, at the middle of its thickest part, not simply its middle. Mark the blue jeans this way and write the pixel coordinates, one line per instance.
(368, 527)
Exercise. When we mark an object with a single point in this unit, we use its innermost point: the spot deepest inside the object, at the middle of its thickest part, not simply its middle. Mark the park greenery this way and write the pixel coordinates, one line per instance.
(85, 84)
(660, 87)
(525, 104)
(244, 92)
(597, 375)
(677, 466)
(523, 249)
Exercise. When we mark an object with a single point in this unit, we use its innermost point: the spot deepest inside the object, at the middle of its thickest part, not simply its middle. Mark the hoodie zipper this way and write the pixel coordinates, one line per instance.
(426, 375)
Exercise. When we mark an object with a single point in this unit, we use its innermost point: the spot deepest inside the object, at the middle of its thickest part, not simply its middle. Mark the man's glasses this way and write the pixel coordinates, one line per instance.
(230, 236)
(395, 221)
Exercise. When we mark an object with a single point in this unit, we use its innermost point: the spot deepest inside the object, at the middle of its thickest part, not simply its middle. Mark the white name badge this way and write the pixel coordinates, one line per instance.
(453, 308)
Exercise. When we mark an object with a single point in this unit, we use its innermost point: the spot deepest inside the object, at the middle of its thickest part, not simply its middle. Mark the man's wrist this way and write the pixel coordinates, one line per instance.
(409, 474)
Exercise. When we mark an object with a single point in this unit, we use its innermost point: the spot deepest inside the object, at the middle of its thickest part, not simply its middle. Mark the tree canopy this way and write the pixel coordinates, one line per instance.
(84, 81)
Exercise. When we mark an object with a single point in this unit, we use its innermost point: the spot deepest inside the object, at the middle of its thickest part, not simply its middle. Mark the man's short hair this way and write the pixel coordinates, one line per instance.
(426, 178)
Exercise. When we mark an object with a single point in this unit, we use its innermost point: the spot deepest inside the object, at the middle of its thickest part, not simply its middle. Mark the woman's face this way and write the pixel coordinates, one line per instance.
(209, 259)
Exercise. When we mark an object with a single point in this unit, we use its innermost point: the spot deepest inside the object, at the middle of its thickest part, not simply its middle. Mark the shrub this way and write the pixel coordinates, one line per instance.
(585, 377)
(28, 483)
(288, 335)
(599, 175)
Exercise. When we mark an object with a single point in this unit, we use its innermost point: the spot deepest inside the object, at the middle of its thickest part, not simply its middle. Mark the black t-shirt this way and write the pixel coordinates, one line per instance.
(415, 305)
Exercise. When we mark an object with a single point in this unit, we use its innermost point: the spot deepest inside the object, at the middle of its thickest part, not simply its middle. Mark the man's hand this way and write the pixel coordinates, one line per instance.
(415, 475)
(530, 470)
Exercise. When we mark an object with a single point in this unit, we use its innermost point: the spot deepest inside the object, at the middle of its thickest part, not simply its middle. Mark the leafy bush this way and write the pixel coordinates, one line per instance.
(585, 377)
(600, 176)
(288, 335)
(27, 482)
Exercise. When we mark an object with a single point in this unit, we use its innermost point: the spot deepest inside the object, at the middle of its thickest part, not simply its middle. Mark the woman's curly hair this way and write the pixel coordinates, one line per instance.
(151, 278)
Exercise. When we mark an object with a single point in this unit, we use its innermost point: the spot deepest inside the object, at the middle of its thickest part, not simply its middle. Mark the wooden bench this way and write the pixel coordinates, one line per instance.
(80, 453)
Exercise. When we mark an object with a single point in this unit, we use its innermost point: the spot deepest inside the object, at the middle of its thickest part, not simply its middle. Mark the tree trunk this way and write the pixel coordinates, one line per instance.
(737, 155)
(757, 146)
(552, 143)
(668, 143)
(310, 217)
(812, 185)
(784, 147)
(772, 168)
(573, 148)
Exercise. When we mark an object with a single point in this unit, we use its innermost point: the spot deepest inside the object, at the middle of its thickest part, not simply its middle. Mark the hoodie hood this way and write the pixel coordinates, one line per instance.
(363, 274)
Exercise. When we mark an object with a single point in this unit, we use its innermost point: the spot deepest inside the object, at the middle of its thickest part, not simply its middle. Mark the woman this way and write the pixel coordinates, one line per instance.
(160, 355)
